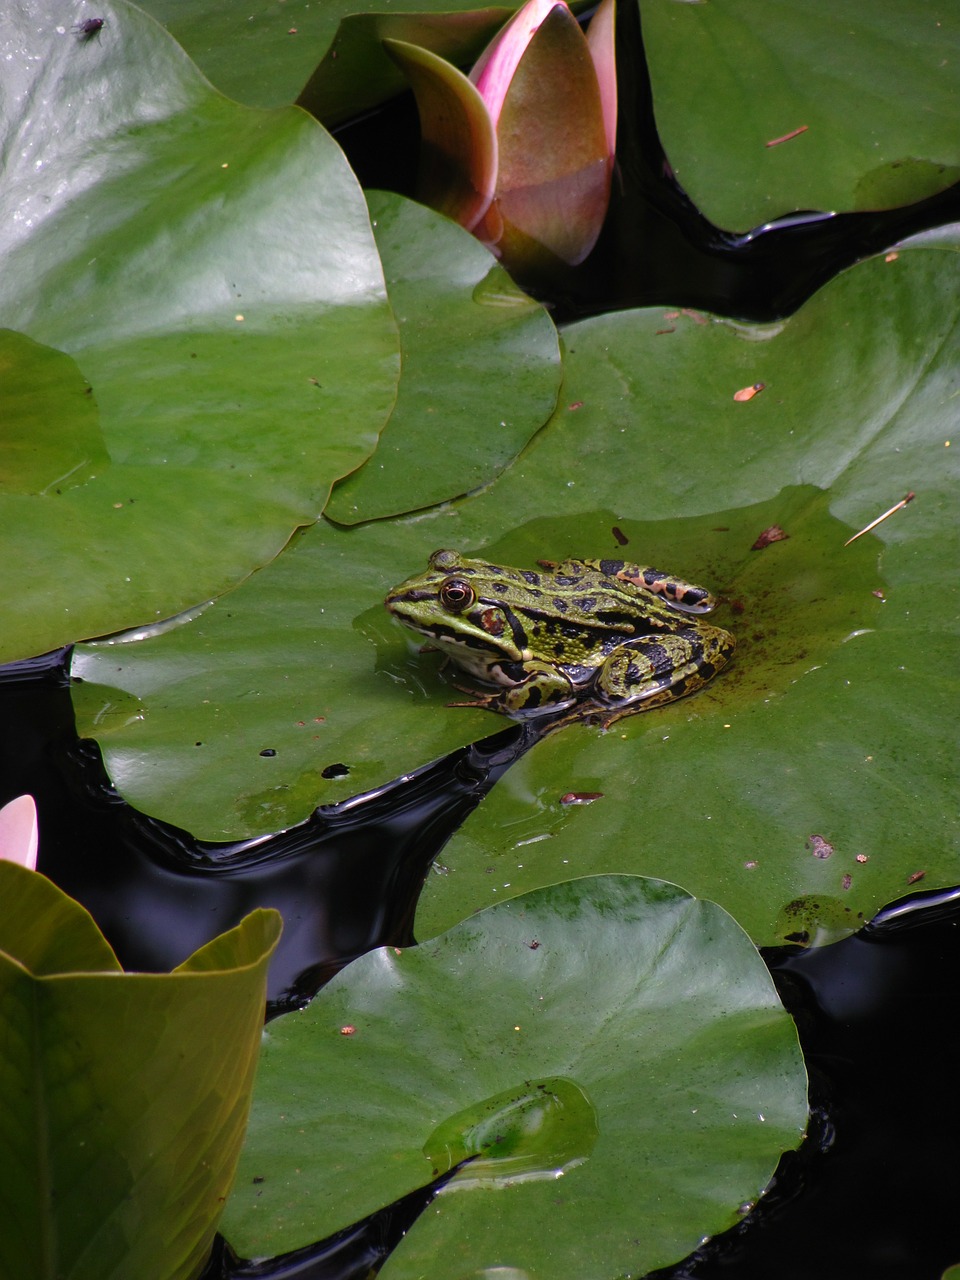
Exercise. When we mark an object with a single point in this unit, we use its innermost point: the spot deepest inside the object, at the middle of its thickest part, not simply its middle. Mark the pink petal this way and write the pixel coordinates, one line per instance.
(553, 182)
(18, 832)
(496, 65)
(600, 39)
(458, 151)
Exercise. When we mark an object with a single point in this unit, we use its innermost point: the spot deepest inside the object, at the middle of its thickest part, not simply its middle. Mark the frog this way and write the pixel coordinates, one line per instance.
(607, 636)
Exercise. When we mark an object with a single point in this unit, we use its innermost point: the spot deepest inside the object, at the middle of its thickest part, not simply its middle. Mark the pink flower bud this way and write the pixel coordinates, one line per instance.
(18, 832)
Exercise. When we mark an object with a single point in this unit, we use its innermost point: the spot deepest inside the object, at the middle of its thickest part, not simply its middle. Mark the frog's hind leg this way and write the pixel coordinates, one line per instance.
(651, 670)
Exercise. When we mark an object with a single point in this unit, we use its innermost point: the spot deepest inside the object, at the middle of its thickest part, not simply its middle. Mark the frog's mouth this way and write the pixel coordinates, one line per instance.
(475, 644)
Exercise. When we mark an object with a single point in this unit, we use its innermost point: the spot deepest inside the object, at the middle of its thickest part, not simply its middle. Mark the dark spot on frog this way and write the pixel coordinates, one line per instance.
(573, 632)
(529, 576)
(559, 604)
(499, 587)
(586, 604)
(334, 771)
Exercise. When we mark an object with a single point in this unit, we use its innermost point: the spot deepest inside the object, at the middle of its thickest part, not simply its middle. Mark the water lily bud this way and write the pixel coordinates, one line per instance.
(18, 832)
(521, 153)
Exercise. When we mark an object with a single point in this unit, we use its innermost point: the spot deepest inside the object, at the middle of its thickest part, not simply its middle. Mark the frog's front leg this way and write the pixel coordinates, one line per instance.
(652, 670)
(527, 686)
(542, 686)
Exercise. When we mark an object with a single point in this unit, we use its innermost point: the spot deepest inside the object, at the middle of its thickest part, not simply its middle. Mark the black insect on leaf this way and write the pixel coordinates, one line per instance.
(89, 28)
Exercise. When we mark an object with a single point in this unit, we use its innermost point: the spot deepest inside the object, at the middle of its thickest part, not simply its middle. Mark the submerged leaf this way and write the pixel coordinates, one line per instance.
(51, 436)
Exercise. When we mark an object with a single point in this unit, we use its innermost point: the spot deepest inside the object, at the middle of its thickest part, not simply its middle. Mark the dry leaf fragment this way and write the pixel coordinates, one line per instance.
(747, 393)
(897, 506)
(821, 848)
(773, 534)
(785, 137)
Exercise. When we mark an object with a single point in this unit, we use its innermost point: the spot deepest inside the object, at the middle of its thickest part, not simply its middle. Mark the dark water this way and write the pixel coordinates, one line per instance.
(871, 1192)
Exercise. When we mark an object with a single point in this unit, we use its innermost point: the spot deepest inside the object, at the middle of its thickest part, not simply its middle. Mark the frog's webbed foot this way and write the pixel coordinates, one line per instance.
(489, 700)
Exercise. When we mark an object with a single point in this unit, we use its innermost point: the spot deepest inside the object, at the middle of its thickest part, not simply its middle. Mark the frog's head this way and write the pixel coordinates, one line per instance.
(464, 607)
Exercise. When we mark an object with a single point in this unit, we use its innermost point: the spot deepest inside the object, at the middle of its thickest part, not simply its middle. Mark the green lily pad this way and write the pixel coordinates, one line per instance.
(481, 373)
(268, 54)
(51, 436)
(290, 692)
(609, 1055)
(870, 96)
(812, 781)
(126, 1094)
(834, 701)
(481, 368)
(211, 270)
(356, 72)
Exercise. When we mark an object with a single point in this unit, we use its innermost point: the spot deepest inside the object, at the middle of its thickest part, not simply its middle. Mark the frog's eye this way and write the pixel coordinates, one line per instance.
(457, 595)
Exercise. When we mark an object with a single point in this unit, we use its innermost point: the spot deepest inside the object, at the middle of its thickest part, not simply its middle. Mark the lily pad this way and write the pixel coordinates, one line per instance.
(834, 702)
(828, 105)
(250, 681)
(481, 368)
(813, 781)
(51, 435)
(356, 72)
(608, 1055)
(290, 692)
(126, 1094)
(211, 270)
(267, 55)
